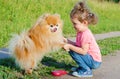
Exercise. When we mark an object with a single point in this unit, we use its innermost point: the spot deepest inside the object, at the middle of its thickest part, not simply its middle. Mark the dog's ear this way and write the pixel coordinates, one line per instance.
(44, 16)
(41, 19)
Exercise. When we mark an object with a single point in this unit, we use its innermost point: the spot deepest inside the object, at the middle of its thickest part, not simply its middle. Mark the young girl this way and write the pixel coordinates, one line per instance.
(85, 51)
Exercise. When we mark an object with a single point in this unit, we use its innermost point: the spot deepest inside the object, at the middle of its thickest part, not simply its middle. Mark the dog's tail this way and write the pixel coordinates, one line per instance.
(22, 41)
(21, 46)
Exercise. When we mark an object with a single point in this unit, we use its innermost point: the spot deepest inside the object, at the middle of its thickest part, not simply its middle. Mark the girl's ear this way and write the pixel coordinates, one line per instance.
(85, 22)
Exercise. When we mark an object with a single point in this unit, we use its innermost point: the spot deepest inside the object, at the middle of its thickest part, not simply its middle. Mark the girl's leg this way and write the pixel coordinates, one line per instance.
(84, 61)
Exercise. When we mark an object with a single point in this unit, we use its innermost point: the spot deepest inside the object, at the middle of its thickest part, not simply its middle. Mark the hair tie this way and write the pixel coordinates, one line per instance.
(90, 14)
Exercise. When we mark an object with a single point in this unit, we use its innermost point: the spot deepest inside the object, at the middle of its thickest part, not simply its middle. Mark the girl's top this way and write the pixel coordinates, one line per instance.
(87, 37)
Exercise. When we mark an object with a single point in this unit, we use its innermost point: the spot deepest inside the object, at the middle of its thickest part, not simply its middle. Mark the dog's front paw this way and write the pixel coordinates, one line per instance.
(65, 40)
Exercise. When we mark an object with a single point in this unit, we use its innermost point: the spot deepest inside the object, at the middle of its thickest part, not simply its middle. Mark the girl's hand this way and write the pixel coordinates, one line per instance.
(67, 47)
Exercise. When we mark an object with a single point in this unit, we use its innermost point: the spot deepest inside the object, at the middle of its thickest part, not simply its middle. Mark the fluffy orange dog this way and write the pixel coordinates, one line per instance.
(29, 47)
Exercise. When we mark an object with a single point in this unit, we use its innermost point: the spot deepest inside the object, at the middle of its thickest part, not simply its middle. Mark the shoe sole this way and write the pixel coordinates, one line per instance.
(82, 75)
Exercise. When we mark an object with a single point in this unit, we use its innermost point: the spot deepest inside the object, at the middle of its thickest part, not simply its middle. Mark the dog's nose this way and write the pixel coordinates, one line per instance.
(55, 29)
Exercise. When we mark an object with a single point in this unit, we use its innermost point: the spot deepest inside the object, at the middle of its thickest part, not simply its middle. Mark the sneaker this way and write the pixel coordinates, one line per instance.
(83, 74)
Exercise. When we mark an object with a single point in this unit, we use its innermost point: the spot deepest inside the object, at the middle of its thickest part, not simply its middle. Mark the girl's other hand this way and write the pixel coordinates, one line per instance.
(66, 47)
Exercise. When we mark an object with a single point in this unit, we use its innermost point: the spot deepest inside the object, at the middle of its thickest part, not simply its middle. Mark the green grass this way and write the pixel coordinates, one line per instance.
(53, 61)
(109, 45)
(109, 16)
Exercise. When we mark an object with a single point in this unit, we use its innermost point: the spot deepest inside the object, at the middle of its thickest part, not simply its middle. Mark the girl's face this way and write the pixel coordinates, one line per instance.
(79, 27)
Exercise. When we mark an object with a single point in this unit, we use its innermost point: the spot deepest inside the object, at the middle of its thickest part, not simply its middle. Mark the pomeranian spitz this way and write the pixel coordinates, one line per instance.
(45, 36)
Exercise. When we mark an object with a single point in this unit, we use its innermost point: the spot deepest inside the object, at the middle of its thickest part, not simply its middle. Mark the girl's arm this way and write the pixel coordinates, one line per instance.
(71, 42)
(83, 50)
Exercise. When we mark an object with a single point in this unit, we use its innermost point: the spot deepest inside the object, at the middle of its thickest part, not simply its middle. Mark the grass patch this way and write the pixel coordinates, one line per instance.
(108, 13)
(109, 45)
(58, 60)
(52, 61)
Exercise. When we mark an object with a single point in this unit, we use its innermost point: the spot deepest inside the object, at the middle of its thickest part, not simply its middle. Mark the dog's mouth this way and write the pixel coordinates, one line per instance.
(53, 29)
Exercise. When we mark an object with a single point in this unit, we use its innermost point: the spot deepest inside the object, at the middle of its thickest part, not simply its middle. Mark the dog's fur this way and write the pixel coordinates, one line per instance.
(45, 36)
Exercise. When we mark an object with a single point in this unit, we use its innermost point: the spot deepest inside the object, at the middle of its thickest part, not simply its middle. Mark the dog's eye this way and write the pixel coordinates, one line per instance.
(51, 25)
(57, 25)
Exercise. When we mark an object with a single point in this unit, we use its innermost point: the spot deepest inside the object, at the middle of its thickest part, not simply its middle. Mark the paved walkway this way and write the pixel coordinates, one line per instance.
(4, 53)
(109, 69)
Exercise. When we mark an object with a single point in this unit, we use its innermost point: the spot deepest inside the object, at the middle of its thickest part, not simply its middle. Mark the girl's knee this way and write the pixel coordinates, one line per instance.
(96, 66)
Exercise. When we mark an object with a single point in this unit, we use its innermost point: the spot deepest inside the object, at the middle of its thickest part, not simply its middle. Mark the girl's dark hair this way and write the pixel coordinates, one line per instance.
(82, 12)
